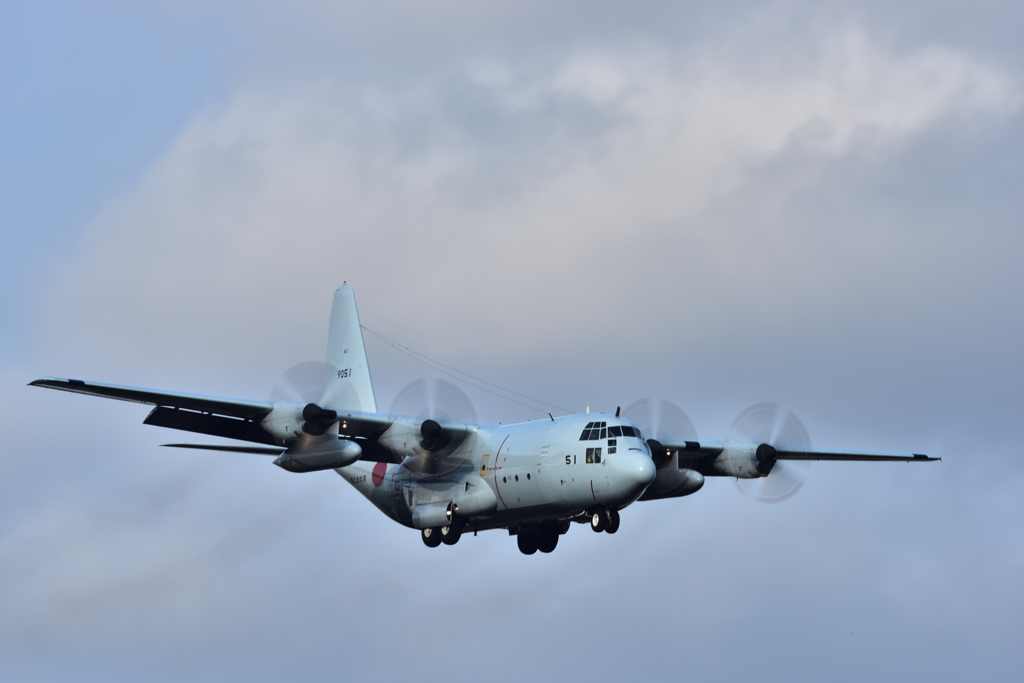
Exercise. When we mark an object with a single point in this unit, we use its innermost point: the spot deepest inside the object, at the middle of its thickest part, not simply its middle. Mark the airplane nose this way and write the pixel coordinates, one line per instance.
(633, 471)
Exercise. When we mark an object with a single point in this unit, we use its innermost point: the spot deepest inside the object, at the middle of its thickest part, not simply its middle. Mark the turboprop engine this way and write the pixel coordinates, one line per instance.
(412, 438)
(745, 460)
(312, 433)
(291, 420)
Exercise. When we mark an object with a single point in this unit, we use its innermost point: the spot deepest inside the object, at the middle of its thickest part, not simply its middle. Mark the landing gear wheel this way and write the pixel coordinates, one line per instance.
(598, 521)
(547, 541)
(431, 537)
(450, 534)
(613, 521)
(527, 544)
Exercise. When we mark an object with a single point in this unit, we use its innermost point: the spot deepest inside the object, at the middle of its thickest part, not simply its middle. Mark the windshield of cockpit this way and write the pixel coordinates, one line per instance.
(595, 431)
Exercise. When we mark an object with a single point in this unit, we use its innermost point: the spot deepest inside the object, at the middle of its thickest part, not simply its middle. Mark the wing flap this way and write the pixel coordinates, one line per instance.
(204, 423)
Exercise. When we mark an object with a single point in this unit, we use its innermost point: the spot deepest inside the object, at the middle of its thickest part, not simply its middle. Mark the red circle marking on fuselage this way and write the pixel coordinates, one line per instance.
(379, 470)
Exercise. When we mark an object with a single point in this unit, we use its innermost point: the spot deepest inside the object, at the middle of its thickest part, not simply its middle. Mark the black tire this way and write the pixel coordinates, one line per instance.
(598, 521)
(527, 544)
(431, 537)
(613, 521)
(547, 541)
(450, 535)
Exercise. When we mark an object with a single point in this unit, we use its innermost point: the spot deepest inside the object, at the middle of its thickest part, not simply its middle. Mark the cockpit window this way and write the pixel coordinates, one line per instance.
(596, 431)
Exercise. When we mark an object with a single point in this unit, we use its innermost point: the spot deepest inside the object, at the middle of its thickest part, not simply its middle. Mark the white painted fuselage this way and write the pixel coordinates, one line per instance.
(503, 475)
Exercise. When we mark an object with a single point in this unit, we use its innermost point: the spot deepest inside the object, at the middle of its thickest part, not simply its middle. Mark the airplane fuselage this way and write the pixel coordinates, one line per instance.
(507, 475)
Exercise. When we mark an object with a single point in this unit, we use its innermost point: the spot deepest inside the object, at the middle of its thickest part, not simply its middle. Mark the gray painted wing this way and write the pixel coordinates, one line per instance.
(695, 450)
(234, 407)
(786, 453)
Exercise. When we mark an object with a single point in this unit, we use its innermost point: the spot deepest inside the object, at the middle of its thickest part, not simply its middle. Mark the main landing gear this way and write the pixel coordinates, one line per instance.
(604, 519)
(542, 536)
(544, 541)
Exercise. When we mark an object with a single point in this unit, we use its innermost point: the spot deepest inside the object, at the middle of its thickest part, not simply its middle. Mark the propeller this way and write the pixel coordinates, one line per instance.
(771, 424)
(304, 383)
(657, 417)
(435, 399)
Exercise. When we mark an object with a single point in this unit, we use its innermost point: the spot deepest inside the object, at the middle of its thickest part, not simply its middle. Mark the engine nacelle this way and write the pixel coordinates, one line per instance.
(410, 437)
(313, 455)
(673, 483)
(292, 420)
(285, 420)
(745, 460)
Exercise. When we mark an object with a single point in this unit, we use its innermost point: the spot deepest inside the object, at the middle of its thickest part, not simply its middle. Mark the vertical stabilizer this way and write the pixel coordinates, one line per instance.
(347, 385)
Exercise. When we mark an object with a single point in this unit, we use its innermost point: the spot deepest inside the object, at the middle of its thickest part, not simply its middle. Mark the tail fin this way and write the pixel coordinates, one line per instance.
(347, 384)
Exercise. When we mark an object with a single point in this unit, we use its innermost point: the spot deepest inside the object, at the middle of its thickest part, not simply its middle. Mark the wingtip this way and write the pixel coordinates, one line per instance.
(51, 381)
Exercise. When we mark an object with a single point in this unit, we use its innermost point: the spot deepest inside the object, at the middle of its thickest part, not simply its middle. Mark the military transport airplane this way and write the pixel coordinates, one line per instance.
(446, 477)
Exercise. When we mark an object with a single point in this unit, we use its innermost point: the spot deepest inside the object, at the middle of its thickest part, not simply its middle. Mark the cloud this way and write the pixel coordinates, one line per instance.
(526, 182)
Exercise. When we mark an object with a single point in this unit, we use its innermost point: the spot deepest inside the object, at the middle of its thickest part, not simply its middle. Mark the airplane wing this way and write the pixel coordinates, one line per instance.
(258, 450)
(231, 418)
(787, 453)
(234, 407)
(697, 450)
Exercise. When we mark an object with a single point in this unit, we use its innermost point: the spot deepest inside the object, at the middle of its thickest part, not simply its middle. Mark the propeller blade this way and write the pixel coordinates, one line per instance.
(657, 417)
(774, 425)
(304, 383)
(435, 399)
(301, 383)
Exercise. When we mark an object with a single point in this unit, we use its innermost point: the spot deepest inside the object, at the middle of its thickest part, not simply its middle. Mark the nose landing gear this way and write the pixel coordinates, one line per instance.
(604, 520)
